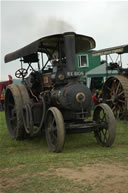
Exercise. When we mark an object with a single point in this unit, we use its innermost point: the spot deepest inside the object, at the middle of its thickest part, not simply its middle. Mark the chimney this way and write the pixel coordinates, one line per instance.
(69, 43)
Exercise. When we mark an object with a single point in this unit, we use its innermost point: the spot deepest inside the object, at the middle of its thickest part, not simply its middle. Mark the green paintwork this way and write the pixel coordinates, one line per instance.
(93, 62)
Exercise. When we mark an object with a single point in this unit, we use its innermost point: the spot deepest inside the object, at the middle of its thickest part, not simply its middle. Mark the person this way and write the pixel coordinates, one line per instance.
(3, 98)
(95, 98)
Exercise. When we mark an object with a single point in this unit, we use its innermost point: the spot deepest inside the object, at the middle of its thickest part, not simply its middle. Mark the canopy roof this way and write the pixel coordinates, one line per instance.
(47, 44)
(118, 50)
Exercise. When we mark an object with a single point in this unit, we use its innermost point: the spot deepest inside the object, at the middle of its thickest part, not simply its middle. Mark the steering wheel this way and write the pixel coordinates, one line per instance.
(21, 73)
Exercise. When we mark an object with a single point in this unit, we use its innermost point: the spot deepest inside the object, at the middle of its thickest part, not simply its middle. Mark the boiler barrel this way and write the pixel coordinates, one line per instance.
(73, 96)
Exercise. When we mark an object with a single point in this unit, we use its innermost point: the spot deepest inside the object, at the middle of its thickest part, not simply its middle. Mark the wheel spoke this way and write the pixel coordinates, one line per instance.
(18, 73)
(113, 88)
(109, 100)
(113, 108)
(52, 129)
(121, 101)
(54, 136)
(50, 119)
(117, 87)
(55, 130)
(117, 112)
(104, 132)
(104, 117)
(122, 92)
(53, 122)
(109, 88)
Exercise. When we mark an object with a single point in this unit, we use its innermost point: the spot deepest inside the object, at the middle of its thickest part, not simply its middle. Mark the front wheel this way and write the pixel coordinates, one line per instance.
(55, 130)
(106, 131)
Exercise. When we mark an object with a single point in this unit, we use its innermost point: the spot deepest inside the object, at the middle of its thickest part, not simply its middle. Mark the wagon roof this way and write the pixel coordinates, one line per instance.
(118, 50)
(83, 43)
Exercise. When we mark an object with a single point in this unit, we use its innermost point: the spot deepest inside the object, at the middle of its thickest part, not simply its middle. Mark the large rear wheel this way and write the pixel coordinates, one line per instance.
(16, 96)
(115, 94)
(55, 130)
(106, 131)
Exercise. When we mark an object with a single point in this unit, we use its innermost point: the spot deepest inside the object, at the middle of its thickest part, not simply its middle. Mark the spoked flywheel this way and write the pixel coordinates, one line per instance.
(115, 94)
(106, 130)
(55, 131)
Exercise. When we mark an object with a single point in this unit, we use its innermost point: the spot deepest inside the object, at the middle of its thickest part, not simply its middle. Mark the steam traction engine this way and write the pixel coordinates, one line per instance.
(51, 98)
(115, 88)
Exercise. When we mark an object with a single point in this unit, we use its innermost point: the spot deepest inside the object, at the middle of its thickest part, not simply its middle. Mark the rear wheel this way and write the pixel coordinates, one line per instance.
(14, 100)
(24, 94)
(115, 94)
(106, 131)
(55, 131)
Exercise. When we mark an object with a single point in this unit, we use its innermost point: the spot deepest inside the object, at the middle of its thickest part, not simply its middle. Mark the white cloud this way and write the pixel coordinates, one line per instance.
(24, 22)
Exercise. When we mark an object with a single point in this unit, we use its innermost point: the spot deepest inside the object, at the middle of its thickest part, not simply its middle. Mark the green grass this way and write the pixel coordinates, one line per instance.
(28, 166)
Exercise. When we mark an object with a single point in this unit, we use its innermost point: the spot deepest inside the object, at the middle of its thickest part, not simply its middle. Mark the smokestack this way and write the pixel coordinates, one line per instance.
(69, 43)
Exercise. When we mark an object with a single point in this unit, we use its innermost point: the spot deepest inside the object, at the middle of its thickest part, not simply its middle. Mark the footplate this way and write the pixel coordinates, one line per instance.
(81, 127)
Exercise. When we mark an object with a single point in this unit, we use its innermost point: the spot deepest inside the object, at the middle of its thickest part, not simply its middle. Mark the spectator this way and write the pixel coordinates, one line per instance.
(3, 98)
(95, 98)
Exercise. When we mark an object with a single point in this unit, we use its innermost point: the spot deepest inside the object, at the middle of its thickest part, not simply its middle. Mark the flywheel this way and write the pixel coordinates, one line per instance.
(115, 94)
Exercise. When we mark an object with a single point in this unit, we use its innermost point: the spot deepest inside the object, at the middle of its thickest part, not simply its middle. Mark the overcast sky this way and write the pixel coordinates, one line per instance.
(23, 22)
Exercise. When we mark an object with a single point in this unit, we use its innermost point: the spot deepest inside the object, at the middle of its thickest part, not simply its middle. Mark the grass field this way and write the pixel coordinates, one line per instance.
(84, 166)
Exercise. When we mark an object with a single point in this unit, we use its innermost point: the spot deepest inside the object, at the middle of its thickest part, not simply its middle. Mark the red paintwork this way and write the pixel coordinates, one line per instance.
(5, 83)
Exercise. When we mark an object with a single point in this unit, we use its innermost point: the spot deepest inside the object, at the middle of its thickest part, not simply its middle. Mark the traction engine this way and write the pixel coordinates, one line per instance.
(51, 98)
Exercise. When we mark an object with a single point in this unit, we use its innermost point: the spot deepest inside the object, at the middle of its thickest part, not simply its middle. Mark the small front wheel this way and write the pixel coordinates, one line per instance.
(55, 130)
(106, 130)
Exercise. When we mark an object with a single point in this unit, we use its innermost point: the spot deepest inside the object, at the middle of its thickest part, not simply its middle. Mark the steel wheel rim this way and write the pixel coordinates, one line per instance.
(114, 96)
(52, 130)
(10, 111)
(55, 129)
(103, 132)
(106, 125)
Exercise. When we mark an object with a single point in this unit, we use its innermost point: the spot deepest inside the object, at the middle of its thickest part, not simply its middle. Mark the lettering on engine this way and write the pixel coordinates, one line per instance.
(76, 73)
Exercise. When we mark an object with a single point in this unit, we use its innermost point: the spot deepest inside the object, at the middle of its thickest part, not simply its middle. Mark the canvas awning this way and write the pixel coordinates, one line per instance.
(47, 44)
(118, 50)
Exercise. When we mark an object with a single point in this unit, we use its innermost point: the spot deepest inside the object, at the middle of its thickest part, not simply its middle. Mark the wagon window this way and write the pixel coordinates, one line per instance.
(83, 60)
